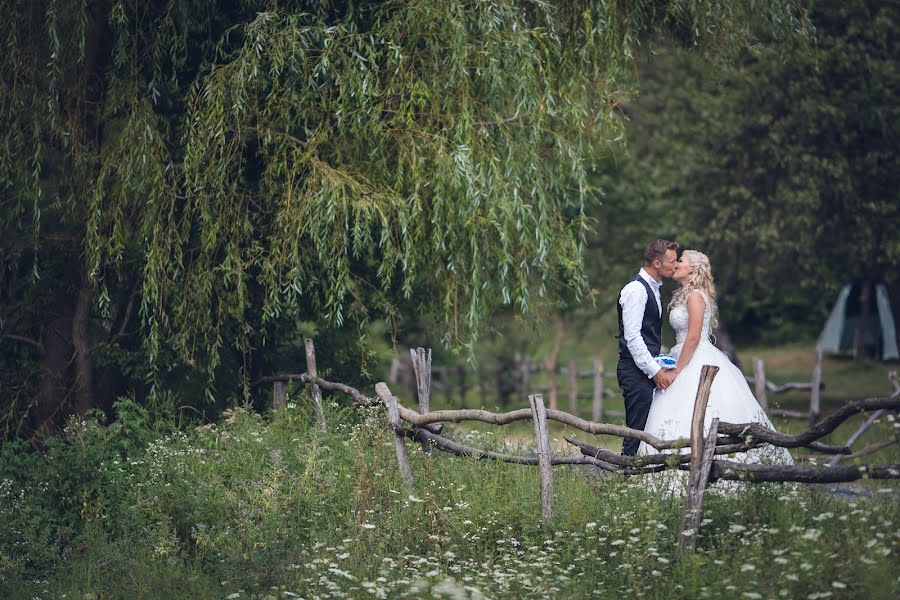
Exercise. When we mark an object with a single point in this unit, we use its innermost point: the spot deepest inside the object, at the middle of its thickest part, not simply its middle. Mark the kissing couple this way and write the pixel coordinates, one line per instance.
(658, 399)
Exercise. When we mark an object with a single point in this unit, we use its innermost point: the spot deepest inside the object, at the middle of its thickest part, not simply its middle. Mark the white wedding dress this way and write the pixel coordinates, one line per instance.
(730, 399)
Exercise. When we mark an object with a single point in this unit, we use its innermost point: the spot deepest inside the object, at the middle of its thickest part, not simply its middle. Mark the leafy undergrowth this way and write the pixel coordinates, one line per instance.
(260, 507)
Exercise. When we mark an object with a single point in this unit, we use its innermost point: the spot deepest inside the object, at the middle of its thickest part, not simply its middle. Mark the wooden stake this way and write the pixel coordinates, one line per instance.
(313, 388)
(421, 361)
(597, 414)
(573, 387)
(815, 409)
(701, 461)
(551, 368)
(395, 371)
(517, 373)
(482, 392)
(526, 374)
(542, 438)
(394, 424)
(463, 387)
(277, 394)
(445, 382)
(759, 373)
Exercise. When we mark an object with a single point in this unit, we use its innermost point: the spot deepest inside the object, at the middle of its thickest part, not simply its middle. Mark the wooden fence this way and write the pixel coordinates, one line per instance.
(515, 379)
(763, 386)
(425, 426)
(455, 383)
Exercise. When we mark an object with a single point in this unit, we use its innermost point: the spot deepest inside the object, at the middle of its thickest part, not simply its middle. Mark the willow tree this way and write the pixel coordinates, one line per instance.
(177, 176)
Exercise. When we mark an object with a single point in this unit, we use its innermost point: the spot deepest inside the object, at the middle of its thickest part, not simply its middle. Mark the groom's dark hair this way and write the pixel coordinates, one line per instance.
(657, 250)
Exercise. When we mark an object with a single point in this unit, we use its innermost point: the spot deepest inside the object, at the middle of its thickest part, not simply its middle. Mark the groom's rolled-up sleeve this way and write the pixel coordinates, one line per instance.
(634, 300)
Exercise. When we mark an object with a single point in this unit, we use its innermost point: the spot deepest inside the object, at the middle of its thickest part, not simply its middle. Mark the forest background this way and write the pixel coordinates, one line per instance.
(188, 189)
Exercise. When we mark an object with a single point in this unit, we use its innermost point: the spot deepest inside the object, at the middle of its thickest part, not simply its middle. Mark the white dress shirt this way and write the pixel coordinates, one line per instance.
(634, 300)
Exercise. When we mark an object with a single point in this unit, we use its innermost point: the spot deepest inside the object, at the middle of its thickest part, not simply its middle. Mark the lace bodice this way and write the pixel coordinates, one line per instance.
(678, 319)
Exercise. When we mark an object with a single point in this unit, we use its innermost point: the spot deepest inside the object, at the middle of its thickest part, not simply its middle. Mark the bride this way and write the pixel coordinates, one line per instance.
(692, 314)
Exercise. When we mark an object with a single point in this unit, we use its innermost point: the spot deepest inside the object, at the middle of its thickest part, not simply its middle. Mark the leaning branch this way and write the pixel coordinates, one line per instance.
(358, 397)
(24, 340)
(735, 471)
(524, 414)
(442, 443)
(757, 432)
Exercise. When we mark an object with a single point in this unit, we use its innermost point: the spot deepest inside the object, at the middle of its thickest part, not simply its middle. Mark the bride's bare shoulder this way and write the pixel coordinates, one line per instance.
(696, 299)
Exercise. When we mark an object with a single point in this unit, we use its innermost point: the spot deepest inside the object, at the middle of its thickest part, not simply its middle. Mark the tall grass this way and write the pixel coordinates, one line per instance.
(267, 507)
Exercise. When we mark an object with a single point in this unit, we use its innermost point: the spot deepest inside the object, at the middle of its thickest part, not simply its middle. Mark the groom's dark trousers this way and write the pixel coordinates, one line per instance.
(638, 392)
(637, 388)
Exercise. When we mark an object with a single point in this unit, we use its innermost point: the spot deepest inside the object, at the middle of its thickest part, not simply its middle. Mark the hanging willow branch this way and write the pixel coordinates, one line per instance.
(256, 160)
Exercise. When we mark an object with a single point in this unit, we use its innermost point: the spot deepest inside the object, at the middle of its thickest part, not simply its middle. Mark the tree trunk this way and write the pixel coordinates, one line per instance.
(859, 342)
(84, 364)
(54, 364)
(551, 361)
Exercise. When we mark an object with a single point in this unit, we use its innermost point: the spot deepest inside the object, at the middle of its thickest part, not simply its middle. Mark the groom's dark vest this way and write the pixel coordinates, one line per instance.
(651, 326)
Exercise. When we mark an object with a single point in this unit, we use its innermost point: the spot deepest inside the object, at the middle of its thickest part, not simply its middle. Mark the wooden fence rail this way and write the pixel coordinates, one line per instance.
(701, 463)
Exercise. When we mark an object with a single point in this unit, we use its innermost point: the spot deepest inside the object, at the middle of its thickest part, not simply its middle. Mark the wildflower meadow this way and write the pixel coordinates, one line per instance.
(268, 506)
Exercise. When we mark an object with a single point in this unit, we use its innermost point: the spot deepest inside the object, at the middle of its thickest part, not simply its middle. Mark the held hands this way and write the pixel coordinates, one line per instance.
(665, 377)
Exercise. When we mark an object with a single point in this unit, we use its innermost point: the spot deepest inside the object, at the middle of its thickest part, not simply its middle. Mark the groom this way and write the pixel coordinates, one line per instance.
(640, 332)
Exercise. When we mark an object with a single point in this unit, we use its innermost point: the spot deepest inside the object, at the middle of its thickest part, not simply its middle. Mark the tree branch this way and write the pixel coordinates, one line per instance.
(758, 432)
(25, 340)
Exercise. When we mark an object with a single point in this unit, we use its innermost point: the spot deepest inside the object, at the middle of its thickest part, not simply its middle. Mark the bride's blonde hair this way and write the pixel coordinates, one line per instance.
(700, 278)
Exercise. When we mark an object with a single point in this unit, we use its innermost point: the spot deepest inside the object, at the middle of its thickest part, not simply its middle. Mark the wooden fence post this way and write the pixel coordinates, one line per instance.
(759, 374)
(701, 460)
(313, 388)
(573, 387)
(482, 392)
(277, 394)
(597, 414)
(551, 368)
(445, 383)
(517, 373)
(394, 423)
(525, 376)
(395, 371)
(542, 438)
(463, 386)
(421, 361)
(814, 399)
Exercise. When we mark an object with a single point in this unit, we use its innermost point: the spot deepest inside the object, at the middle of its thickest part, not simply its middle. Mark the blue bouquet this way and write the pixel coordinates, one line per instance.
(665, 361)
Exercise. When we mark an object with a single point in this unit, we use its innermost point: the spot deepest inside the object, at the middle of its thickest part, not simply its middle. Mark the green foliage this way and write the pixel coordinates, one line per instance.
(242, 166)
(252, 504)
(781, 165)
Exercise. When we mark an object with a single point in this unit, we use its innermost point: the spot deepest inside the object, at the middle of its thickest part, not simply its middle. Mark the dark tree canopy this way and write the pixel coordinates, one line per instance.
(782, 165)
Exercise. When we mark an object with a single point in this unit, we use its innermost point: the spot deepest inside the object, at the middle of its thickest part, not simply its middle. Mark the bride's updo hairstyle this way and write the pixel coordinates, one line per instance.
(700, 278)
